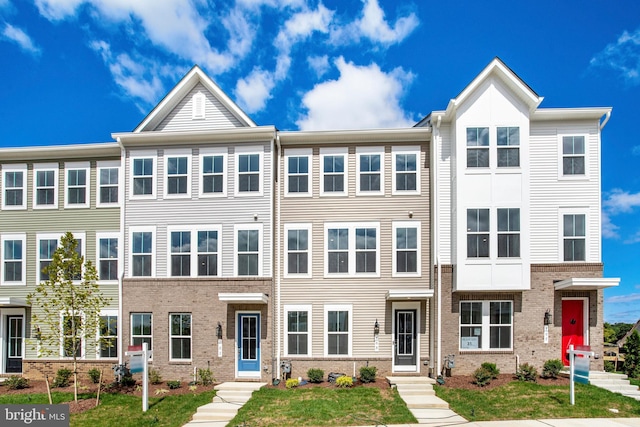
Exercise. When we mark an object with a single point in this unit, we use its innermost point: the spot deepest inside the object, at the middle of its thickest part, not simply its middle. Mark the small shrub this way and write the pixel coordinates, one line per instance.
(492, 368)
(94, 375)
(206, 376)
(344, 382)
(62, 378)
(292, 383)
(552, 368)
(368, 374)
(609, 366)
(128, 381)
(16, 382)
(315, 375)
(154, 376)
(482, 376)
(527, 372)
(161, 391)
(173, 384)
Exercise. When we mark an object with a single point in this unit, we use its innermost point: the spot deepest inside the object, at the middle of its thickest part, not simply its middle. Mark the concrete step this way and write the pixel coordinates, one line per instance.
(235, 399)
(410, 380)
(239, 386)
(618, 388)
(438, 417)
(415, 392)
(425, 402)
(224, 416)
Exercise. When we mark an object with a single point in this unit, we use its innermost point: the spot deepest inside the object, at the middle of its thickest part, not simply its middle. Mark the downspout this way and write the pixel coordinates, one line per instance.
(121, 197)
(436, 233)
(278, 257)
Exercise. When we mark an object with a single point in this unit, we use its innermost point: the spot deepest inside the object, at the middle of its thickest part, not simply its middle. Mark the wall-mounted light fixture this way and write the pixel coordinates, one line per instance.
(219, 331)
(410, 214)
(547, 317)
(376, 328)
(255, 216)
(37, 332)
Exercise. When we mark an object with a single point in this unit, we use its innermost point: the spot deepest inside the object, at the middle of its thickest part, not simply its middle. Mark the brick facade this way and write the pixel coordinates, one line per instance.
(37, 369)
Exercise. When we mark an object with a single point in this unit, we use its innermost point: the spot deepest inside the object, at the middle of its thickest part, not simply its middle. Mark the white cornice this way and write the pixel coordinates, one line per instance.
(54, 152)
(400, 135)
(146, 139)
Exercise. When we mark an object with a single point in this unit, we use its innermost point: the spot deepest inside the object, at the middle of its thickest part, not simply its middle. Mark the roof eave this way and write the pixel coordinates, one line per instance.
(410, 135)
(55, 152)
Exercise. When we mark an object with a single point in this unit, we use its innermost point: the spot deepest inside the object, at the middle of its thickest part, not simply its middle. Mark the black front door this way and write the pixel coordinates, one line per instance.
(14, 344)
(405, 337)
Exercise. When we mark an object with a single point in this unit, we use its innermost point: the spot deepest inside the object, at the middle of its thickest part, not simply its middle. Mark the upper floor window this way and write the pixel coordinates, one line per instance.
(142, 253)
(297, 164)
(352, 248)
(177, 174)
(298, 249)
(508, 147)
(180, 253)
(573, 155)
(77, 185)
(45, 186)
(13, 259)
(107, 256)
(143, 176)
(248, 250)
(477, 147)
(46, 247)
(213, 164)
(208, 253)
(509, 233)
(477, 233)
(574, 237)
(108, 180)
(334, 175)
(193, 252)
(369, 166)
(14, 184)
(248, 173)
(406, 161)
(406, 248)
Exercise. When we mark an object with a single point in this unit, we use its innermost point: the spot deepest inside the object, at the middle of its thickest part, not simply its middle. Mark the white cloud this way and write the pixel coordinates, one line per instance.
(609, 229)
(319, 64)
(634, 238)
(254, 91)
(56, 10)
(619, 201)
(362, 97)
(622, 56)
(21, 38)
(622, 298)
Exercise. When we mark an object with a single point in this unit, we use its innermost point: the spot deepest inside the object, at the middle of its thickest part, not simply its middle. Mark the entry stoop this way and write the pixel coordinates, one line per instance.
(617, 383)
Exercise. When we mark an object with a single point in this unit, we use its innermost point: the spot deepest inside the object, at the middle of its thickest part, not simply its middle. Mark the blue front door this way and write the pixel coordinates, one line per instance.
(249, 343)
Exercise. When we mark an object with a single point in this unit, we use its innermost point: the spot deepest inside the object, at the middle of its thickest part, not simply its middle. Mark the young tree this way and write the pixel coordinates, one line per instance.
(66, 307)
(632, 355)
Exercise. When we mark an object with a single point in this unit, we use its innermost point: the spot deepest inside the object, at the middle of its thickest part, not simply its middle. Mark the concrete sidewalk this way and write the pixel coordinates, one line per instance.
(564, 422)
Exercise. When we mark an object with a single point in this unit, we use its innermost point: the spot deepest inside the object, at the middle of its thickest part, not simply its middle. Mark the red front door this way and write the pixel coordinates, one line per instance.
(572, 325)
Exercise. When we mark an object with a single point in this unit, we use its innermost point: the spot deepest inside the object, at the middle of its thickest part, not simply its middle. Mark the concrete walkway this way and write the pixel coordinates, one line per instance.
(617, 383)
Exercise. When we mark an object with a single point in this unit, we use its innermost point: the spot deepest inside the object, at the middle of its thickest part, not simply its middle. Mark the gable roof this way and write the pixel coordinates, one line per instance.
(622, 341)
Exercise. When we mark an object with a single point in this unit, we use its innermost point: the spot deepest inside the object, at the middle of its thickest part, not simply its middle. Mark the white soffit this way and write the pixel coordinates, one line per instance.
(13, 302)
(586, 284)
(244, 298)
(409, 294)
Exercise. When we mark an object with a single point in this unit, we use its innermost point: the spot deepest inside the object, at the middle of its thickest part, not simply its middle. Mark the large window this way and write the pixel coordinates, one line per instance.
(13, 261)
(509, 233)
(338, 250)
(142, 329)
(108, 180)
(477, 147)
(107, 256)
(142, 253)
(298, 248)
(180, 253)
(213, 166)
(14, 185)
(249, 170)
(248, 251)
(298, 330)
(366, 250)
(370, 166)
(573, 155)
(77, 185)
(177, 174)
(477, 233)
(334, 174)
(406, 161)
(72, 327)
(406, 247)
(208, 253)
(180, 336)
(338, 330)
(508, 147)
(352, 249)
(297, 164)
(574, 237)
(193, 251)
(143, 176)
(108, 334)
(486, 325)
(45, 179)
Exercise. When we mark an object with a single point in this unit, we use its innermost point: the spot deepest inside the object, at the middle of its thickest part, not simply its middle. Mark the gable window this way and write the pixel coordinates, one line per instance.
(298, 330)
(477, 147)
(143, 176)
(107, 256)
(406, 248)
(405, 170)
(477, 233)
(46, 248)
(208, 253)
(108, 334)
(333, 171)
(108, 176)
(248, 251)
(508, 147)
(574, 236)
(142, 329)
(13, 262)
(486, 325)
(248, 173)
(72, 327)
(573, 155)
(142, 253)
(45, 188)
(180, 336)
(15, 187)
(177, 175)
(352, 249)
(77, 183)
(213, 170)
(509, 233)
(338, 330)
(369, 167)
(298, 248)
(297, 164)
(180, 253)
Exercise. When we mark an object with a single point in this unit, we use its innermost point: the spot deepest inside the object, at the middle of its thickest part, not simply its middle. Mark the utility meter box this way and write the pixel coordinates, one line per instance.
(286, 366)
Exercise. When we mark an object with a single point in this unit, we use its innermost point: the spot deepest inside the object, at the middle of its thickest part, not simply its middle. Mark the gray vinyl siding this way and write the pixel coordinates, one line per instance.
(444, 193)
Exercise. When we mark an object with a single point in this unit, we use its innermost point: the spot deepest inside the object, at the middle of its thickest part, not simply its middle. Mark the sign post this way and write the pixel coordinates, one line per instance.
(578, 367)
(139, 362)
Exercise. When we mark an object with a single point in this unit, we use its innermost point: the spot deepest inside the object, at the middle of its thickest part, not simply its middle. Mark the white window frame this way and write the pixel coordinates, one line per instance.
(111, 313)
(295, 226)
(351, 227)
(405, 150)
(508, 147)
(154, 249)
(370, 151)
(194, 250)
(190, 337)
(131, 336)
(102, 165)
(22, 168)
(170, 253)
(517, 232)
(43, 167)
(407, 224)
(22, 237)
(154, 174)
(309, 333)
(108, 235)
(213, 152)
(177, 154)
(243, 227)
(485, 326)
(77, 166)
(198, 106)
(337, 307)
(39, 238)
(561, 155)
(331, 152)
(561, 236)
(83, 336)
(243, 151)
(298, 152)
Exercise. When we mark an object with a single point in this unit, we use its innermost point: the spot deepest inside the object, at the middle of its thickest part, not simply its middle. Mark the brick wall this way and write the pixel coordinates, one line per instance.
(37, 369)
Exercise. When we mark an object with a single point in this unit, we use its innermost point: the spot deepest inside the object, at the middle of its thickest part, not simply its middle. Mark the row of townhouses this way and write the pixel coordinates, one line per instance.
(224, 244)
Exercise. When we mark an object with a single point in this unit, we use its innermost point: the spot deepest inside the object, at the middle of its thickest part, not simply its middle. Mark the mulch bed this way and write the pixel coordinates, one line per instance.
(379, 383)
(467, 381)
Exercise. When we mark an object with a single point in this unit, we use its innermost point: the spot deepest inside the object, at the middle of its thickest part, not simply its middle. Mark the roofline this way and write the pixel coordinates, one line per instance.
(411, 134)
(144, 139)
(585, 113)
(75, 151)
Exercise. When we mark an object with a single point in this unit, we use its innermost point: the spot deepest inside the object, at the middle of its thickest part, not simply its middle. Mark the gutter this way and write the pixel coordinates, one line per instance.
(436, 227)
(122, 193)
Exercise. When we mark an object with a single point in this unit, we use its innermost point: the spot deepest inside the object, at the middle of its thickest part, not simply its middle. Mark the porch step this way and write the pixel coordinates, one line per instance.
(229, 398)
(616, 383)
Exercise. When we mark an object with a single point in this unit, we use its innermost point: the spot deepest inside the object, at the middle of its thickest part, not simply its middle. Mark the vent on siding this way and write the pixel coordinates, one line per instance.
(198, 106)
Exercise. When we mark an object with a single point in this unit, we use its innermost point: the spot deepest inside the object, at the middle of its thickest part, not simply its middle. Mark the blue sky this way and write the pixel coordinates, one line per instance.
(75, 71)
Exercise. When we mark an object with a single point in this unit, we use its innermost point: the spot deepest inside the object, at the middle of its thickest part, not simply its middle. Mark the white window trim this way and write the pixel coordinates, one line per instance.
(337, 307)
(154, 249)
(110, 164)
(23, 238)
(39, 238)
(405, 150)
(351, 226)
(153, 155)
(573, 211)
(248, 151)
(171, 336)
(208, 152)
(561, 175)
(305, 226)
(193, 254)
(86, 166)
(298, 152)
(108, 235)
(113, 313)
(198, 106)
(486, 326)
(370, 151)
(177, 153)
(407, 224)
(324, 152)
(507, 169)
(238, 227)
(14, 168)
(308, 309)
(83, 337)
(131, 328)
(55, 167)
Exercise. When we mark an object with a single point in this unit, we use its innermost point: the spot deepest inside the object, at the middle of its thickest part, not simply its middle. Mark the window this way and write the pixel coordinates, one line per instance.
(181, 253)
(14, 187)
(142, 257)
(13, 261)
(76, 185)
(508, 147)
(177, 174)
(72, 326)
(108, 334)
(352, 249)
(198, 106)
(46, 248)
(108, 176)
(248, 165)
(406, 246)
(298, 330)
(213, 172)
(477, 147)
(477, 233)
(492, 319)
(405, 170)
(298, 249)
(142, 329)
(45, 187)
(107, 256)
(297, 164)
(573, 155)
(509, 233)
(574, 236)
(370, 164)
(208, 253)
(366, 250)
(248, 249)
(143, 176)
(338, 330)
(338, 250)
(334, 175)
(180, 336)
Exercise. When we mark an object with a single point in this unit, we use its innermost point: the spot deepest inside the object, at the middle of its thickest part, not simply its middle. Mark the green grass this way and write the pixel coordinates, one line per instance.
(635, 381)
(323, 406)
(519, 400)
